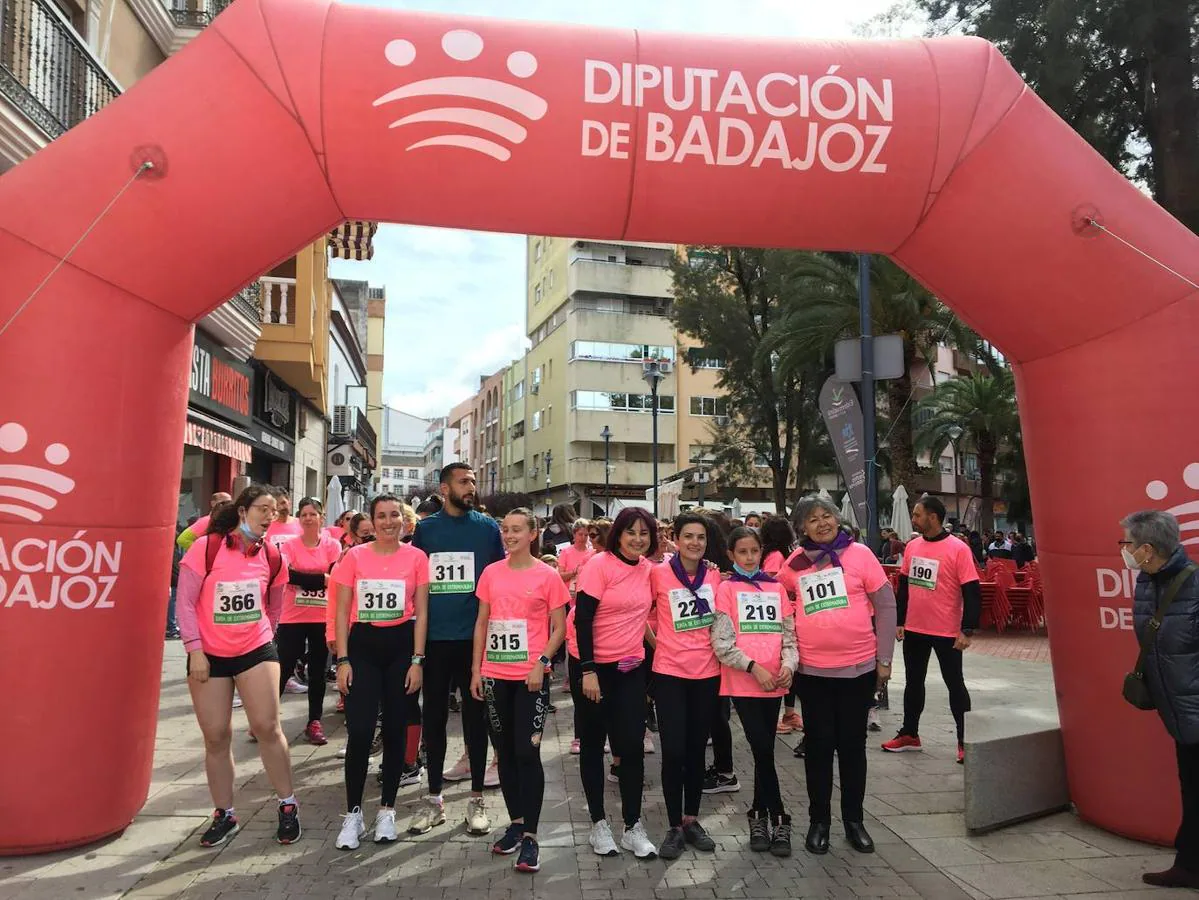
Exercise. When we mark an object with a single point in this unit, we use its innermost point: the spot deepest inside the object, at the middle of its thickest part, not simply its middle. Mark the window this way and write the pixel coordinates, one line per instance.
(621, 402)
(537, 376)
(549, 369)
(537, 420)
(518, 430)
(537, 294)
(551, 278)
(644, 453)
(709, 406)
(549, 415)
(386, 473)
(701, 453)
(618, 352)
(536, 250)
(414, 473)
(708, 363)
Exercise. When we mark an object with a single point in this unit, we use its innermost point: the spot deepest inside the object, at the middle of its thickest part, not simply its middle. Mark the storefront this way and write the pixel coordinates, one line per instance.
(217, 443)
(272, 430)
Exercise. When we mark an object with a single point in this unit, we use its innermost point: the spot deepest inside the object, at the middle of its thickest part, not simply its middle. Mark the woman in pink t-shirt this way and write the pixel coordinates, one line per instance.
(606, 642)
(521, 624)
(230, 596)
(382, 591)
(301, 635)
(845, 621)
(686, 679)
(753, 636)
(573, 557)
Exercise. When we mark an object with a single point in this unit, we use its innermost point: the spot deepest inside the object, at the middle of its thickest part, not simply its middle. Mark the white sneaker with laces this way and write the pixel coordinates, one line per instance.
(352, 830)
(236, 701)
(385, 826)
(341, 752)
(431, 813)
(294, 687)
(601, 839)
(648, 744)
(460, 770)
(636, 840)
(491, 778)
(477, 821)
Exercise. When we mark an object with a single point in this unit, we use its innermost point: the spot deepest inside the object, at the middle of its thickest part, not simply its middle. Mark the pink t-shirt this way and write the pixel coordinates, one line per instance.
(772, 563)
(199, 527)
(833, 614)
(936, 571)
(382, 585)
(518, 626)
(758, 612)
(624, 598)
(232, 612)
(280, 532)
(684, 633)
(571, 559)
(307, 606)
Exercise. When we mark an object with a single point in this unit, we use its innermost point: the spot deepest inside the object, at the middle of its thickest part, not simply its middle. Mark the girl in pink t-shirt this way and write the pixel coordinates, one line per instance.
(754, 639)
(521, 624)
(301, 635)
(229, 599)
(777, 542)
(686, 679)
(382, 590)
(572, 558)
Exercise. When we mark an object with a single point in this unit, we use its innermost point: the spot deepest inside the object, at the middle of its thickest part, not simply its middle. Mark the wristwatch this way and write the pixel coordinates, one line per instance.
(545, 660)
(884, 662)
(418, 659)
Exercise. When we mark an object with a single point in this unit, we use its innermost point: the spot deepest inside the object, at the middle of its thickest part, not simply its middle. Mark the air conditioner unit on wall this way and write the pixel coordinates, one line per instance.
(665, 366)
(339, 463)
(343, 420)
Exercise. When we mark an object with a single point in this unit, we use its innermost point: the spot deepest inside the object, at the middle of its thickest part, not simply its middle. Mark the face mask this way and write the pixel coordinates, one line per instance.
(746, 572)
(1129, 559)
(249, 535)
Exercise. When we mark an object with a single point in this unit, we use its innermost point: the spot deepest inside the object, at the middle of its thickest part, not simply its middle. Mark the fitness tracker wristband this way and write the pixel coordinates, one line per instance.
(545, 660)
(343, 660)
(418, 659)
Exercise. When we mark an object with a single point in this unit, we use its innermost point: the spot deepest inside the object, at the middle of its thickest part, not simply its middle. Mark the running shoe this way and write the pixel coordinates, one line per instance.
(341, 703)
(614, 773)
(720, 783)
(527, 861)
(575, 747)
(352, 830)
(694, 834)
(961, 755)
(460, 771)
(491, 778)
(289, 824)
(549, 708)
(637, 841)
(411, 776)
(673, 844)
(509, 842)
(224, 826)
(342, 750)
(430, 815)
(293, 686)
(173, 634)
(477, 820)
(455, 706)
(801, 749)
(651, 718)
(647, 744)
(315, 734)
(872, 723)
(377, 746)
(601, 839)
(902, 742)
(385, 826)
(236, 701)
(789, 723)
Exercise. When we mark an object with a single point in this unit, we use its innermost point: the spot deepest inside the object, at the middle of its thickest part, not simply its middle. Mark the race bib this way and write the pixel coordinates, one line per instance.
(684, 609)
(758, 612)
(237, 602)
(507, 640)
(310, 598)
(451, 573)
(380, 600)
(923, 573)
(823, 590)
(280, 539)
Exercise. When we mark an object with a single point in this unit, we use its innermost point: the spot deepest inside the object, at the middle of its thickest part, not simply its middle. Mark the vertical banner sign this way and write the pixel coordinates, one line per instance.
(843, 418)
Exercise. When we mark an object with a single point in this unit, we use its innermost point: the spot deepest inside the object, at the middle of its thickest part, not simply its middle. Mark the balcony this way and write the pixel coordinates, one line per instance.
(624, 474)
(351, 423)
(619, 279)
(276, 303)
(49, 79)
(237, 323)
(293, 309)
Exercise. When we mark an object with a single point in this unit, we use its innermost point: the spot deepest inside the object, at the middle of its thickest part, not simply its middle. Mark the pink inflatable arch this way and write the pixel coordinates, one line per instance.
(287, 116)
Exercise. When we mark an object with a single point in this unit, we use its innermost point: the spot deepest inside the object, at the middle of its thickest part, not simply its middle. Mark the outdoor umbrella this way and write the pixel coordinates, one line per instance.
(847, 513)
(901, 516)
(334, 505)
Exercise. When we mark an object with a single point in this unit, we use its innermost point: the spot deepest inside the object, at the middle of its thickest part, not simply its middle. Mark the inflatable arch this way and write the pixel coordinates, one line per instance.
(287, 116)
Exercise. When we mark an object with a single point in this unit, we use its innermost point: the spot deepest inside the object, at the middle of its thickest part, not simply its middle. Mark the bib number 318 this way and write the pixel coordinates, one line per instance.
(380, 600)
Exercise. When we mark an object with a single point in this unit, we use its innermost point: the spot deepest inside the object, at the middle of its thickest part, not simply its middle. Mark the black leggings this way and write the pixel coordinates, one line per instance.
(379, 657)
(291, 639)
(448, 663)
(760, 717)
(834, 715)
(515, 720)
(916, 650)
(619, 717)
(722, 737)
(686, 708)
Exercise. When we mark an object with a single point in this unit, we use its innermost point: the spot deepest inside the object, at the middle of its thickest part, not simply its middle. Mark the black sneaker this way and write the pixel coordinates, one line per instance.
(718, 783)
(614, 773)
(759, 831)
(694, 834)
(454, 705)
(550, 708)
(673, 844)
(223, 827)
(527, 861)
(510, 840)
(411, 775)
(651, 718)
(780, 838)
(289, 824)
(800, 750)
(172, 634)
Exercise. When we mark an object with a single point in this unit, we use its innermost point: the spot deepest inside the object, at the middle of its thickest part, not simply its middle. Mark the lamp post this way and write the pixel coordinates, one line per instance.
(652, 373)
(955, 435)
(606, 434)
(549, 460)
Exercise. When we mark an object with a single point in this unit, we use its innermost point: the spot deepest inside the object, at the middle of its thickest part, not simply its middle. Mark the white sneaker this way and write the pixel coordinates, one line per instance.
(385, 826)
(341, 753)
(477, 821)
(294, 687)
(431, 813)
(601, 839)
(491, 778)
(352, 830)
(636, 840)
(648, 744)
(460, 770)
(236, 701)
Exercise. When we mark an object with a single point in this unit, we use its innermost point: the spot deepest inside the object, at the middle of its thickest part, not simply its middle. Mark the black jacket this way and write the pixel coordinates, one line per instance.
(1172, 663)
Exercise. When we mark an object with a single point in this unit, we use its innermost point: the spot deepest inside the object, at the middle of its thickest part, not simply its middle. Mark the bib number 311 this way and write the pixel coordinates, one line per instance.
(451, 573)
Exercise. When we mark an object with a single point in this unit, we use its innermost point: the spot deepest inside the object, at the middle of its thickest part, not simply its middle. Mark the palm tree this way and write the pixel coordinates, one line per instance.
(979, 409)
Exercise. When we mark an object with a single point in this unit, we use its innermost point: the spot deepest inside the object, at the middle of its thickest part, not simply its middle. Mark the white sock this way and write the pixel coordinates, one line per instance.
(436, 798)
(289, 799)
(229, 812)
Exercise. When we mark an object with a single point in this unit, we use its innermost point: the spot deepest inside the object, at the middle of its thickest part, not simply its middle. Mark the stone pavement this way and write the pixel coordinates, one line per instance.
(914, 811)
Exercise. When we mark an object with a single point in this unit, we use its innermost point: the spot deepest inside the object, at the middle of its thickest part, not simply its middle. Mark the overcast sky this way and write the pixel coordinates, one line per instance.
(455, 307)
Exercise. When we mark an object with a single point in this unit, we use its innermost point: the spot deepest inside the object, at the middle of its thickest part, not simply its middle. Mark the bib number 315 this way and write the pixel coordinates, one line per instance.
(508, 641)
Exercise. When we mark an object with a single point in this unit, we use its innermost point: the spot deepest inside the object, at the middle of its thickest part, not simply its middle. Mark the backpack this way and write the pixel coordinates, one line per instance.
(273, 558)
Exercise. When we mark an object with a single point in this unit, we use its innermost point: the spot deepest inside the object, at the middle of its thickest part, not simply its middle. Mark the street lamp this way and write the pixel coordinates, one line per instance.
(955, 434)
(549, 459)
(652, 373)
(606, 434)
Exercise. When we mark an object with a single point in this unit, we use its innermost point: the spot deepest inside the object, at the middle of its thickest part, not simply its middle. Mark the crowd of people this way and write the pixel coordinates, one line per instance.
(666, 626)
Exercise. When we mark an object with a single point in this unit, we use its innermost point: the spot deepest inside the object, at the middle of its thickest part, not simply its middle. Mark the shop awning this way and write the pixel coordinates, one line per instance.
(210, 433)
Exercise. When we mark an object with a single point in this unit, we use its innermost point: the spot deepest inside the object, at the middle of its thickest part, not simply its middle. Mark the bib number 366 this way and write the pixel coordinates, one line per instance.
(236, 602)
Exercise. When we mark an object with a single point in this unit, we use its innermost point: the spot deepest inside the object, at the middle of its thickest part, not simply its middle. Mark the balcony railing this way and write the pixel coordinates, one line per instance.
(364, 436)
(196, 13)
(46, 69)
(277, 300)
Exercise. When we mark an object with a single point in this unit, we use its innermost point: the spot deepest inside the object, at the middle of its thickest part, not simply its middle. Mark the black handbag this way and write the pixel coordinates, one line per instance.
(1136, 691)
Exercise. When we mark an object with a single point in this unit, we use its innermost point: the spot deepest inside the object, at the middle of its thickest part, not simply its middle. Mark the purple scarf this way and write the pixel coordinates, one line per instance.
(692, 584)
(758, 577)
(825, 551)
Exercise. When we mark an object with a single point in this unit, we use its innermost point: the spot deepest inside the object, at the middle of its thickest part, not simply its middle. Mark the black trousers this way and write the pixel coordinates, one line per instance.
(1186, 843)
(722, 737)
(760, 717)
(619, 717)
(304, 640)
(379, 657)
(448, 663)
(917, 648)
(834, 716)
(686, 707)
(516, 719)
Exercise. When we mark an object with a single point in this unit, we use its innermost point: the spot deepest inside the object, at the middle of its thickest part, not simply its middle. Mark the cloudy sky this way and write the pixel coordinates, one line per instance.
(456, 298)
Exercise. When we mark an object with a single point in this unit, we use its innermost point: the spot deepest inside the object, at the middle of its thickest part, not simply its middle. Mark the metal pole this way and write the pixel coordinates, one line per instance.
(868, 406)
(607, 474)
(653, 389)
(701, 484)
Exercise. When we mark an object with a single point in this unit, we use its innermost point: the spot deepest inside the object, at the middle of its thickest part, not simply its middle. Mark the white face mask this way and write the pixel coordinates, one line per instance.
(1129, 559)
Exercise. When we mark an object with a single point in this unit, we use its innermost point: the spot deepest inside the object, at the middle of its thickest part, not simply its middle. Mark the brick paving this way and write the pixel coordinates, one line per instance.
(1021, 645)
(914, 808)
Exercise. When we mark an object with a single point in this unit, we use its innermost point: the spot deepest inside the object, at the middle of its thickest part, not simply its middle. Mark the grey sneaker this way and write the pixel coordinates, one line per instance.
(430, 815)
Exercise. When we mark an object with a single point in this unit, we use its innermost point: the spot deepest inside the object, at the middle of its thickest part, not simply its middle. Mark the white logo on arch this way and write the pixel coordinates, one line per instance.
(463, 46)
(28, 492)
(1186, 513)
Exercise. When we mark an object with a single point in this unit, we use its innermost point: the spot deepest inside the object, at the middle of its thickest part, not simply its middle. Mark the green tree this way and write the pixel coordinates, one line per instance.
(977, 410)
(1122, 73)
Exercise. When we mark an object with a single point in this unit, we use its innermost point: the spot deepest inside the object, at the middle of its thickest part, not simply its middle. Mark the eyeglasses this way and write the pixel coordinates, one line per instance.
(593, 534)
(1123, 543)
(263, 507)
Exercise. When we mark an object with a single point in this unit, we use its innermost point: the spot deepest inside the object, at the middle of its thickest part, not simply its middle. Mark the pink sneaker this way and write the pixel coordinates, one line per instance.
(574, 747)
(314, 734)
(902, 742)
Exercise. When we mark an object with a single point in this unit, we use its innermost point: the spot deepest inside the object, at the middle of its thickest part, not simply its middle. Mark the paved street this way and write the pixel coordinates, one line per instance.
(914, 807)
